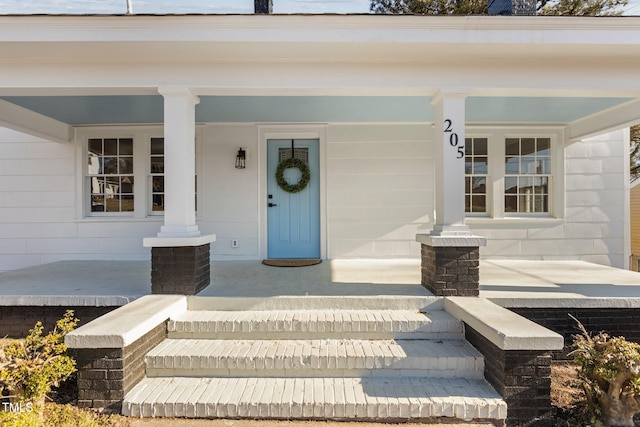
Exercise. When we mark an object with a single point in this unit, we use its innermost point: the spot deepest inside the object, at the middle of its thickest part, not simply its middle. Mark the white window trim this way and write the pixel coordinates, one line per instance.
(141, 136)
(495, 178)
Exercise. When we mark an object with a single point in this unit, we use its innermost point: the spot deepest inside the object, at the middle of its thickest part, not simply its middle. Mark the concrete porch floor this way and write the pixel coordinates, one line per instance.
(508, 283)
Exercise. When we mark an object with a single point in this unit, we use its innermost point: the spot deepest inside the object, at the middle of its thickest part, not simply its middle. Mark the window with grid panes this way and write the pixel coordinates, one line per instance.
(476, 170)
(110, 174)
(157, 174)
(527, 175)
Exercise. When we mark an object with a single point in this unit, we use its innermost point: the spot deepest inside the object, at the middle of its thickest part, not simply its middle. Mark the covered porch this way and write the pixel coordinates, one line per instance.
(510, 283)
(423, 138)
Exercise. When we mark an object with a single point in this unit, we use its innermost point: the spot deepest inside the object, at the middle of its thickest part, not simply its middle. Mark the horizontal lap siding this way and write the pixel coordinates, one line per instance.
(592, 227)
(379, 189)
(38, 212)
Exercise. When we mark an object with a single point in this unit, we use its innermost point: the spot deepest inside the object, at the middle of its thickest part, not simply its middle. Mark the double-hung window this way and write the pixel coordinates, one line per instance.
(110, 174)
(476, 171)
(157, 174)
(511, 175)
(527, 175)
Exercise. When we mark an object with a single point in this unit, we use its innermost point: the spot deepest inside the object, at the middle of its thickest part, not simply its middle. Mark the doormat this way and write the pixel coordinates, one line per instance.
(291, 262)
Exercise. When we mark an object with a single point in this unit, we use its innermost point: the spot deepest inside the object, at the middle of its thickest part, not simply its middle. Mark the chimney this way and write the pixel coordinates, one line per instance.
(512, 7)
(264, 7)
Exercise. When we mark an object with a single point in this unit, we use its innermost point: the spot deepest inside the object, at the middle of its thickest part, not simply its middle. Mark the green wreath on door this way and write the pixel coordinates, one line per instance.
(293, 163)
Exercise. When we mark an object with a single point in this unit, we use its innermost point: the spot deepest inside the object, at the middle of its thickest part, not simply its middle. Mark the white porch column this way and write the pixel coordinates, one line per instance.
(180, 255)
(449, 164)
(450, 253)
(179, 163)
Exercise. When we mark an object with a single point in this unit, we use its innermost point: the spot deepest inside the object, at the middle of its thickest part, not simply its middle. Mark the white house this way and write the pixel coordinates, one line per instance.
(118, 129)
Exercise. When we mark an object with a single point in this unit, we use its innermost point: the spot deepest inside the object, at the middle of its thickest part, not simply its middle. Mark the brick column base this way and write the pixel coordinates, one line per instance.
(451, 270)
(180, 270)
(105, 375)
(522, 377)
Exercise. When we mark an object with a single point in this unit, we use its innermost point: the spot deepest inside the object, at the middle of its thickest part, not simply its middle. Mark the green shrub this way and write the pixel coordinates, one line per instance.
(30, 367)
(61, 416)
(610, 375)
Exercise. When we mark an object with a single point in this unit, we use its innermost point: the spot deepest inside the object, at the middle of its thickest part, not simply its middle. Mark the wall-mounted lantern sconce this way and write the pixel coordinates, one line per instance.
(241, 157)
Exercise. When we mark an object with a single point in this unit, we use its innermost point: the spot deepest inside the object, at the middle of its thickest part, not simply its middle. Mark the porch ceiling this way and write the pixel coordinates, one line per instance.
(148, 109)
(63, 71)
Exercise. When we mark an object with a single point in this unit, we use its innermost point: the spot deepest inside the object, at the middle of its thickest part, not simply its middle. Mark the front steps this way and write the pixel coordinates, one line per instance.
(359, 364)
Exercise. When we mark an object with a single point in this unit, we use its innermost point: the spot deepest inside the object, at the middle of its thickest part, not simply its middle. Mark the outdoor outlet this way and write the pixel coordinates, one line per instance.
(234, 243)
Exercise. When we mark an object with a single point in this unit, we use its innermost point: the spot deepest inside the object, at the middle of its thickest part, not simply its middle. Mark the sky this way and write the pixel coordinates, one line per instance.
(197, 6)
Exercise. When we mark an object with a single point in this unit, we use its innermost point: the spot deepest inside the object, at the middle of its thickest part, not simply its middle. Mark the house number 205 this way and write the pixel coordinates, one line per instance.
(453, 138)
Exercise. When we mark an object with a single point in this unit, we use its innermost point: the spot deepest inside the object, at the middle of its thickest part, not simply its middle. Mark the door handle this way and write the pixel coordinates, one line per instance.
(272, 205)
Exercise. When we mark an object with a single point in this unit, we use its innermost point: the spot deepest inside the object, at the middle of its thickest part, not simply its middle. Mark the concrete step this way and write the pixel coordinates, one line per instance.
(314, 398)
(314, 358)
(380, 324)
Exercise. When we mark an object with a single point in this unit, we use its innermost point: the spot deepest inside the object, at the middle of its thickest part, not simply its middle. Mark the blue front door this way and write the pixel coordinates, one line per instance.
(293, 218)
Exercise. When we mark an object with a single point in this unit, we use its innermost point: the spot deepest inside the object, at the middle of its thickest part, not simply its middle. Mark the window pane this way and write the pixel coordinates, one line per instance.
(157, 164)
(111, 146)
(95, 146)
(540, 203)
(478, 203)
(512, 147)
(112, 185)
(126, 165)
(512, 166)
(467, 184)
(95, 165)
(126, 147)
(97, 203)
(467, 203)
(511, 185)
(525, 184)
(110, 165)
(468, 146)
(510, 203)
(479, 185)
(542, 185)
(527, 146)
(468, 166)
(158, 184)
(544, 146)
(126, 203)
(527, 164)
(544, 165)
(526, 203)
(158, 202)
(480, 146)
(480, 165)
(157, 146)
(113, 203)
(126, 185)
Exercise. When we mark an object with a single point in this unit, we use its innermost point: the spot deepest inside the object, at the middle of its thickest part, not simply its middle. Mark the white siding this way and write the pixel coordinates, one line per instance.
(593, 226)
(379, 189)
(38, 221)
(379, 194)
(230, 202)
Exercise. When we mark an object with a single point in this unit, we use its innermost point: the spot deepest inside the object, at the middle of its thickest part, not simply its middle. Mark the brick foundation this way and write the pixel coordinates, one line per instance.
(15, 321)
(180, 270)
(522, 377)
(451, 270)
(614, 321)
(105, 375)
